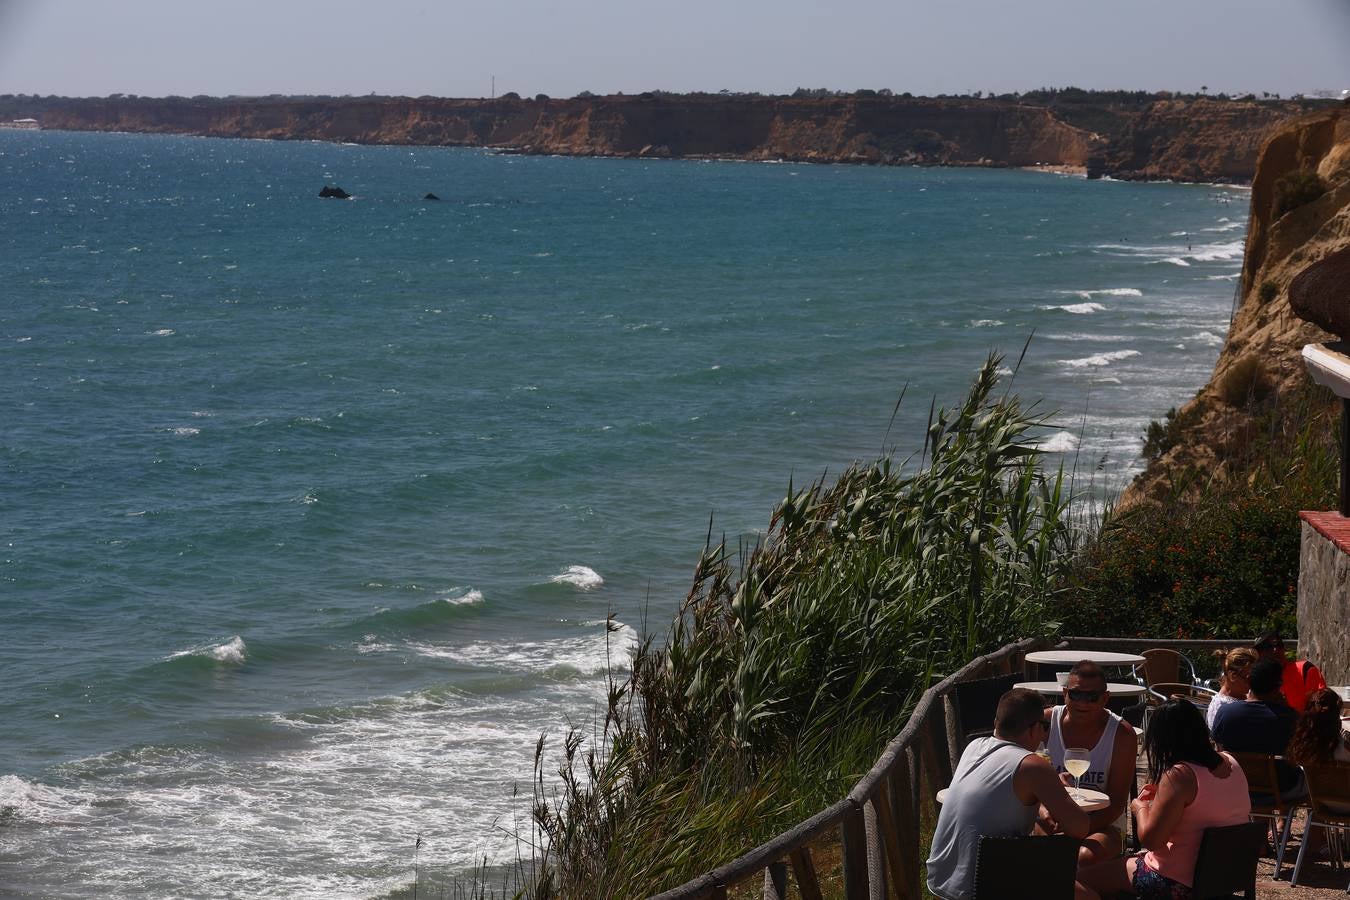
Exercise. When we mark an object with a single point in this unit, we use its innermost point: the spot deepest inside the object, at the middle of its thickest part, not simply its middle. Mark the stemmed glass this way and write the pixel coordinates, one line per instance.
(1076, 762)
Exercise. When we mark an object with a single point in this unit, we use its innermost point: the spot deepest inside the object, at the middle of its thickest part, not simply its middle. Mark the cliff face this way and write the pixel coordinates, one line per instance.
(1181, 139)
(1196, 140)
(1262, 358)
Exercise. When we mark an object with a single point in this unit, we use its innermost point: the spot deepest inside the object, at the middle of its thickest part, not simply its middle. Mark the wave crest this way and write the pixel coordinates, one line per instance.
(232, 652)
(1100, 359)
(582, 578)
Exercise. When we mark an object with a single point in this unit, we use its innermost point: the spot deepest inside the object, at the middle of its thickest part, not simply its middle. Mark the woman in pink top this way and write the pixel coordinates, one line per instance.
(1191, 787)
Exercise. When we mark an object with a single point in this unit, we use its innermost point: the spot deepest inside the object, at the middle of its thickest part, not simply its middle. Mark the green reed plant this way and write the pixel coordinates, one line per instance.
(791, 663)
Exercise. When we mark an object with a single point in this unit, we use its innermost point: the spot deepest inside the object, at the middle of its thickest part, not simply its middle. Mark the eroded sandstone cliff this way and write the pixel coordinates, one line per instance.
(1188, 139)
(1260, 365)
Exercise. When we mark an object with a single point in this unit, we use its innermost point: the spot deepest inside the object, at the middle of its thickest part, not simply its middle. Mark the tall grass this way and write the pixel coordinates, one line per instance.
(791, 663)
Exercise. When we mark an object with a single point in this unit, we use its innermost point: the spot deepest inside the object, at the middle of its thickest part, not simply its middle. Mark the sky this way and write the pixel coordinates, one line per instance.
(455, 49)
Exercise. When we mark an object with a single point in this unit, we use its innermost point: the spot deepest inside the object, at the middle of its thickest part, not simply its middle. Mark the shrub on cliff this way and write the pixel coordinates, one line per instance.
(1221, 562)
(1159, 437)
(1295, 189)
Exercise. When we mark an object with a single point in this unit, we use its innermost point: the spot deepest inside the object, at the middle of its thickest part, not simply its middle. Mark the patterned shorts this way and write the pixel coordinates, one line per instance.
(1149, 884)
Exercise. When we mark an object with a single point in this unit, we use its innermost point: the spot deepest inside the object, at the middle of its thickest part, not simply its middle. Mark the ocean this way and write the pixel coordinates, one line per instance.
(313, 511)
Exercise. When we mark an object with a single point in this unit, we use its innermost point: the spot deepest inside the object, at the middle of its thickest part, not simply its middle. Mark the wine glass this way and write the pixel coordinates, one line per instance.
(1076, 762)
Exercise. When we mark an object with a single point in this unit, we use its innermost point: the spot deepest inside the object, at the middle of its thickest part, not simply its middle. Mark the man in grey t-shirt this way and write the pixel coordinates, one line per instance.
(996, 790)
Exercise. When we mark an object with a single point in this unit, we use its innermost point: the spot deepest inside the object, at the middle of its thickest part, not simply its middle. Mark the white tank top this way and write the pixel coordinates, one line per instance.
(1099, 766)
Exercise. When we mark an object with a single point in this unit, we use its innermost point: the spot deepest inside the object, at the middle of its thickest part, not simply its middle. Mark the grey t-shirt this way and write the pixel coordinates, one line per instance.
(981, 801)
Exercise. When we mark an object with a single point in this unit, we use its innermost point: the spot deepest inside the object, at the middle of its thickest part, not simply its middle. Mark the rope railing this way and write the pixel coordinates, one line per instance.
(880, 822)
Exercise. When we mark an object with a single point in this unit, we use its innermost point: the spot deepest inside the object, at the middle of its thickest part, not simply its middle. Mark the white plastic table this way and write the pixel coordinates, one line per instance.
(1117, 689)
(1088, 800)
(1069, 657)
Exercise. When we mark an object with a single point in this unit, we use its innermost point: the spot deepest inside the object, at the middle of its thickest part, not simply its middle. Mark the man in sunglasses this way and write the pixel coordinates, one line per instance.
(997, 789)
(1084, 722)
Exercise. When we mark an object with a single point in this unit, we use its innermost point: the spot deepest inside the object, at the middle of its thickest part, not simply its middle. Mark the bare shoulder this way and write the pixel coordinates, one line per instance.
(1179, 778)
(1124, 731)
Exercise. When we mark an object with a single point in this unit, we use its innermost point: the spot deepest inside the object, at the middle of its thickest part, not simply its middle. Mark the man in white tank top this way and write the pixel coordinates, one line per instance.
(1084, 722)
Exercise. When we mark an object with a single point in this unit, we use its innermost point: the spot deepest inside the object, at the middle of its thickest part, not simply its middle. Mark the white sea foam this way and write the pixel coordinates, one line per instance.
(39, 803)
(1231, 276)
(1100, 359)
(1175, 260)
(1059, 442)
(22, 340)
(1105, 292)
(985, 323)
(461, 597)
(1211, 252)
(1207, 337)
(1079, 309)
(233, 651)
(185, 430)
(591, 654)
(163, 332)
(581, 577)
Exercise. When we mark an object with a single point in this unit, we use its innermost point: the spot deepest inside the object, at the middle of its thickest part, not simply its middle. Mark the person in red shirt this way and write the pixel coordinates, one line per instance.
(1300, 677)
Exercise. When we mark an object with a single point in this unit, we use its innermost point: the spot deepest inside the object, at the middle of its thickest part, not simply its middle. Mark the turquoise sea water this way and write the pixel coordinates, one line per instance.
(312, 511)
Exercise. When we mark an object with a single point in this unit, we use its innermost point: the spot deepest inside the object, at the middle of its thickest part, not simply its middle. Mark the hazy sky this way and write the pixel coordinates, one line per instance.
(160, 47)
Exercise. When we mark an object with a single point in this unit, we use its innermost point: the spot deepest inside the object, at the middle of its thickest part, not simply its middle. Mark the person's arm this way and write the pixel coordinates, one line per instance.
(1159, 808)
(1040, 783)
(1118, 779)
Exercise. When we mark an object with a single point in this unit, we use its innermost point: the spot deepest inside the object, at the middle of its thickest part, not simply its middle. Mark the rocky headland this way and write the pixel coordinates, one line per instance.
(1117, 134)
(1300, 215)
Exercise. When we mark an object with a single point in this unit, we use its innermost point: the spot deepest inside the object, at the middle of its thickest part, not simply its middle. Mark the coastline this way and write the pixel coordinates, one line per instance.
(1184, 139)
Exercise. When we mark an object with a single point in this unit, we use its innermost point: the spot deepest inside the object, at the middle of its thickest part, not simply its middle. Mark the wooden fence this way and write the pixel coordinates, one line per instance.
(880, 821)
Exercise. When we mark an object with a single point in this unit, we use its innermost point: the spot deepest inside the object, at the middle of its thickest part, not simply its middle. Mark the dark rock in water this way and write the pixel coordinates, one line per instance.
(1321, 293)
(431, 197)
(335, 192)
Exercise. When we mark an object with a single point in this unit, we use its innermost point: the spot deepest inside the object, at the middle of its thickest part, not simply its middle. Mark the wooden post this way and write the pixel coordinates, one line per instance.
(854, 835)
(876, 852)
(951, 716)
(775, 881)
(804, 870)
(905, 808)
(899, 872)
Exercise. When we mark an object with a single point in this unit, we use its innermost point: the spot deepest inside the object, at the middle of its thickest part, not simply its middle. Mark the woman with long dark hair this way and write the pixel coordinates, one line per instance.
(1191, 787)
(1318, 737)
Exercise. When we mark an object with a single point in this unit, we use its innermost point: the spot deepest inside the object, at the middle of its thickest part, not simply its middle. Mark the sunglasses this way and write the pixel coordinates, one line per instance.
(1082, 696)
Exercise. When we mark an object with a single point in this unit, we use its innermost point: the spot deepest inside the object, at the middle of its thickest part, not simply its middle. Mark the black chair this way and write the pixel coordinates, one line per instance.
(976, 702)
(1226, 864)
(1042, 867)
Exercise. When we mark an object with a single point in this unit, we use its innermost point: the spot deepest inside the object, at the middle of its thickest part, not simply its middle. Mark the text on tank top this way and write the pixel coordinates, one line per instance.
(1099, 764)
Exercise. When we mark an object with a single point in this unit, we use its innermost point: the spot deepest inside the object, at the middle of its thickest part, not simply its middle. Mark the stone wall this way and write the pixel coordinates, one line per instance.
(1324, 594)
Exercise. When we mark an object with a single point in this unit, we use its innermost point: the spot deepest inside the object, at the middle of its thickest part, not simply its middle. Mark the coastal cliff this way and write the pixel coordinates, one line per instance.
(1123, 136)
(1260, 368)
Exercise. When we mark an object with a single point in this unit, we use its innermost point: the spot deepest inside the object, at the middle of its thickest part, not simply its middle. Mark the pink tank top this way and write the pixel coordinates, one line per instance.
(1218, 801)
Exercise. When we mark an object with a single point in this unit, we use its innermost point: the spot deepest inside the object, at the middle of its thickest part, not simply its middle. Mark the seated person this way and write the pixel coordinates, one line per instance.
(1318, 738)
(997, 788)
(1191, 787)
(1298, 678)
(1235, 684)
(1085, 722)
(1263, 723)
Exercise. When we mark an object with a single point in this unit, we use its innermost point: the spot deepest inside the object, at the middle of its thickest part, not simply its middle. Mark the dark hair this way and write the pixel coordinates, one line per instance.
(1176, 734)
(1087, 669)
(1266, 676)
(1018, 710)
(1269, 641)
(1319, 729)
